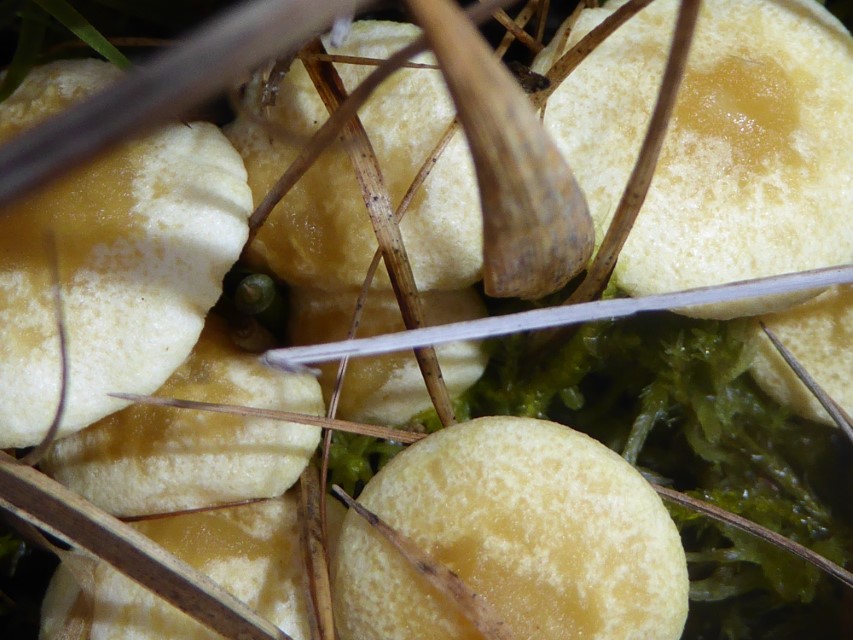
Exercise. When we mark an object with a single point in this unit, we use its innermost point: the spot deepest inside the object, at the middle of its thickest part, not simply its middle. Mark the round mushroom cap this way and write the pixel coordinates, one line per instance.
(252, 551)
(754, 177)
(320, 234)
(387, 389)
(820, 335)
(149, 459)
(144, 235)
(558, 534)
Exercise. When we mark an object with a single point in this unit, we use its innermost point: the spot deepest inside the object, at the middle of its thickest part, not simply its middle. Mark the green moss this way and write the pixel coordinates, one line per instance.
(674, 397)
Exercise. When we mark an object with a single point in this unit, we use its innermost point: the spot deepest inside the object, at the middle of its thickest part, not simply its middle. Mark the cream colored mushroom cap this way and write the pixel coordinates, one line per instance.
(561, 536)
(320, 235)
(820, 335)
(144, 238)
(147, 459)
(387, 389)
(754, 178)
(251, 550)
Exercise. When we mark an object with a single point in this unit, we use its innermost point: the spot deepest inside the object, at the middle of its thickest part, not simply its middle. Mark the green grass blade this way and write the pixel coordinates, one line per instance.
(30, 39)
(79, 26)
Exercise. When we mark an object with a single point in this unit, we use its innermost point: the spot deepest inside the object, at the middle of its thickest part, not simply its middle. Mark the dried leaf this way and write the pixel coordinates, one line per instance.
(536, 226)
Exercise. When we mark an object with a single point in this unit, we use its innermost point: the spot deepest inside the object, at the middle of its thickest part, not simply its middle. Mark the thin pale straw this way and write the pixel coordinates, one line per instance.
(289, 358)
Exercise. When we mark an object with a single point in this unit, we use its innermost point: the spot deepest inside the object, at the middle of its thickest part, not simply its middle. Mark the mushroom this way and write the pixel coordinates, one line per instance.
(251, 550)
(320, 235)
(819, 333)
(387, 389)
(754, 176)
(149, 459)
(558, 534)
(144, 234)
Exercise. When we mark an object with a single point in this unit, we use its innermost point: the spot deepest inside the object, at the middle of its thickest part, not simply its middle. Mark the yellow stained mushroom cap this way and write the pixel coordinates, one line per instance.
(387, 389)
(561, 536)
(144, 234)
(320, 235)
(252, 551)
(147, 459)
(820, 335)
(754, 177)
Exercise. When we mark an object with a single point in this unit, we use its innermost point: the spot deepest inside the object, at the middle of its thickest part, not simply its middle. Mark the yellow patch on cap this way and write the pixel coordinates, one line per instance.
(387, 389)
(754, 175)
(144, 234)
(558, 534)
(147, 459)
(320, 235)
(820, 335)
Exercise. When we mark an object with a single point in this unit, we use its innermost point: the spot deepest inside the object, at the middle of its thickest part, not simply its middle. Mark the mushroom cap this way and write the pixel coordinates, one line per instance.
(387, 389)
(754, 176)
(558, 534)
(320, 234)
(144, 234)
(819, 333)
(148, 459)
(250, 550)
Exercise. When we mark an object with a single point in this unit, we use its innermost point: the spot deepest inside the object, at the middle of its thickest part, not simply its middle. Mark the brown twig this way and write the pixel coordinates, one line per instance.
(544, 8)
(46, 504)
(359, 60)
(521, 20)
(377, 200)
(315, 555)
(569, 61)
(641, 176)
(517, 31)
(423, 173)
(834, 410)
(739, 522)
(281, 416)
(330, 129)
(204, 64)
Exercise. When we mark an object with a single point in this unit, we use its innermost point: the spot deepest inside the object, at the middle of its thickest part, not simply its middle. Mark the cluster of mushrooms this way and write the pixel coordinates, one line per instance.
(559, 535)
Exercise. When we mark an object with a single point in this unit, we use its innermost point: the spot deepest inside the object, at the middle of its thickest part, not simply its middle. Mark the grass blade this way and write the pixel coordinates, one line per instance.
(82, 28)
(30, 40)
